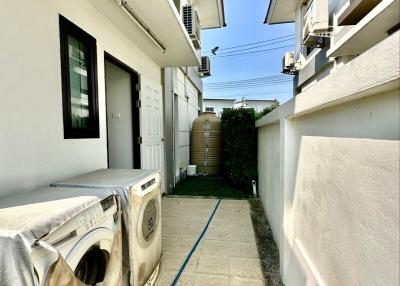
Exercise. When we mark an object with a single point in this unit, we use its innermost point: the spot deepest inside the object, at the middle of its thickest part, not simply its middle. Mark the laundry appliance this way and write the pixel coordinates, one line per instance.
(140, 192)
(61, 236)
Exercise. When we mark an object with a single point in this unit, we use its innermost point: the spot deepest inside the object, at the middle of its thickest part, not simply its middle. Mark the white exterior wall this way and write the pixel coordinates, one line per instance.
(335, 211)
(218, 105)
(33, 150)
(188, 109)
(257, 105)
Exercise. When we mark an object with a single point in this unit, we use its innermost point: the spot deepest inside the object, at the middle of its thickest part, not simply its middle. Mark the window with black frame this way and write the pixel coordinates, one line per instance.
(79, 81)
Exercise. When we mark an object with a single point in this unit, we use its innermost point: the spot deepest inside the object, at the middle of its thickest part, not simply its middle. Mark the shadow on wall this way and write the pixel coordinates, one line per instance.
(340, 192)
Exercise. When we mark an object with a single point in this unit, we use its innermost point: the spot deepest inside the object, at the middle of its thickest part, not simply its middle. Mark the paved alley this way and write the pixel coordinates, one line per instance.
(227, 253)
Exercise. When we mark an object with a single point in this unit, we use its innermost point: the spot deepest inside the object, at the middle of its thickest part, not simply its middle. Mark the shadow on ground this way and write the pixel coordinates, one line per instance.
(267, 248)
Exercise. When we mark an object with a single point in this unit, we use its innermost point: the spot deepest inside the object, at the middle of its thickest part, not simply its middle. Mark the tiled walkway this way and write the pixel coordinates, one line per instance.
(227, 254)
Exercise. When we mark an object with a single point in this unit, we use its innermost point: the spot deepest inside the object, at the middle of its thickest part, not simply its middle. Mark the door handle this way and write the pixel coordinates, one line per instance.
(163, 139)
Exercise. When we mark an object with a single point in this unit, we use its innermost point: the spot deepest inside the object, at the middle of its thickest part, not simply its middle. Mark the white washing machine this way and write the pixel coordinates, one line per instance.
(140, 192)
(69, 235)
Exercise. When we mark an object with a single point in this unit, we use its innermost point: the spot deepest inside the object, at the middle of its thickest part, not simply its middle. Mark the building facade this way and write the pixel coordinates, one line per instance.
(329, 157)
(82, 86)
(183, 89)
(218, 105)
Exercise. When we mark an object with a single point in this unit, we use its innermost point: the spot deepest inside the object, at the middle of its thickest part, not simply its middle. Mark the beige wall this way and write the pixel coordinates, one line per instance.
(33, 151)
(340, 183)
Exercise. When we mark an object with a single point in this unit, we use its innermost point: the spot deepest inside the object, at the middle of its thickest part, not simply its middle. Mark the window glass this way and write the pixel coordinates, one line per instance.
(79, 82)
(78, 75)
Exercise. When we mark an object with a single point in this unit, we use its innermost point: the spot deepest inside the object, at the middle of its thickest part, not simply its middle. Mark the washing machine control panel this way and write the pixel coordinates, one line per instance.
(146, 186)
(85, 220)
(96, 213)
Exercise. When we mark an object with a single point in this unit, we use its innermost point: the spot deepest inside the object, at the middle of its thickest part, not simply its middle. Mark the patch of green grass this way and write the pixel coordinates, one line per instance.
(207, 186)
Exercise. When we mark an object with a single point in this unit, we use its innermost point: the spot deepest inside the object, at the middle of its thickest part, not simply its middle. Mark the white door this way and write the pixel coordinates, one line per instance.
(151, 118)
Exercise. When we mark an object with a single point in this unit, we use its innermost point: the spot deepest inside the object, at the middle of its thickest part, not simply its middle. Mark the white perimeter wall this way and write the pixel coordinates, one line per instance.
(33, 151)
(269, 175)
(329, 165)
(337, 222)
(188, 109)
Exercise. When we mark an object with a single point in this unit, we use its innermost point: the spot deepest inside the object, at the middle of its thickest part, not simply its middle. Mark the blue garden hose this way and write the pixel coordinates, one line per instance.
(178, 275)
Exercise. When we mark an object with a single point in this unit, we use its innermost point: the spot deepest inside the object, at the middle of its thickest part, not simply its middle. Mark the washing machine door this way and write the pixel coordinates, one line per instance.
(89, 257)
(149, 220)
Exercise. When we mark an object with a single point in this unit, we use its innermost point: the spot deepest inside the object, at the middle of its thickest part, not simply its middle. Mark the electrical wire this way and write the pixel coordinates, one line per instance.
(272, 77)
(250, 53)
(254, 43)
(261, 81)
(249, 86)
(250, 94)
(255, 47)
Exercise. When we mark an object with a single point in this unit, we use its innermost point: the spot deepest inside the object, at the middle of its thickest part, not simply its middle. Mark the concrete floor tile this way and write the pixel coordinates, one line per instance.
(241, 224)
(241, 281)
(214, 247)
(246, 267)
(213, 265)
(242, 235)
(164, 260)
(169, 220)
(243, 249)
(220, 221)
(167, 244)
(240, 216)
(190, 232)
(176, 260)
(184, 245)
(171, 231)
(217, 234)
(211, 280)
(167, 277)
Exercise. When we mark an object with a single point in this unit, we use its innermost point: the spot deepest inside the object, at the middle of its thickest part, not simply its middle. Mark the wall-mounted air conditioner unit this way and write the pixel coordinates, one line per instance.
(289, 64)
(316, 24)
(205, 68)
(192, 24)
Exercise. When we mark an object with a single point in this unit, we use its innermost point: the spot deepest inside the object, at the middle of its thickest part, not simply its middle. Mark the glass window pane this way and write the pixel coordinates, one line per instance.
(78, 75)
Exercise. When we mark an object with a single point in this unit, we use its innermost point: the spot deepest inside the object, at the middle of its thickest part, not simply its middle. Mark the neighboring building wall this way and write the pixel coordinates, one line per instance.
(188, 109)
(257, 105)
(33, 150)
(315, 65)
(184, 96)
(335, 210)
(217, 105)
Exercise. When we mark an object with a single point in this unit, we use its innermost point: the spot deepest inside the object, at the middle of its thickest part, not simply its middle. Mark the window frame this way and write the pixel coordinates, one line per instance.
(67, 28)
(209, 109)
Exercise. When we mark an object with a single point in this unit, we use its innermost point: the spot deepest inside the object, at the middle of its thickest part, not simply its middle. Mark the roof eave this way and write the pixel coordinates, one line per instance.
(269, 16)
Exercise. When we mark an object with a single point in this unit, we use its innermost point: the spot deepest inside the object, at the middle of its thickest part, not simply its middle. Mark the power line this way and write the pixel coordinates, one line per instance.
(272, 77)
(255, 43)
(248, 95)
(251, 53)
(248, 83)
(255, 47)
(249, 86)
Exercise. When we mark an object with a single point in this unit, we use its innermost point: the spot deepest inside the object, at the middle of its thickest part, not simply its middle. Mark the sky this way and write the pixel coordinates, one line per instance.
(245, 26)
